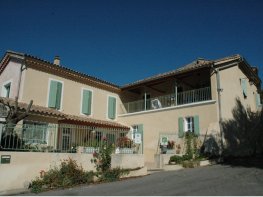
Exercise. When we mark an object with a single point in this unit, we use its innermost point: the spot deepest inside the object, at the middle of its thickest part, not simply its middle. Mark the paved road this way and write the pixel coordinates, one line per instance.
(210, 180)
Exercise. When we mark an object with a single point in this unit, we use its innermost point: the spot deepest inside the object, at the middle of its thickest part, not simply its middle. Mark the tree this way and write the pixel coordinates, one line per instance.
(14, 115)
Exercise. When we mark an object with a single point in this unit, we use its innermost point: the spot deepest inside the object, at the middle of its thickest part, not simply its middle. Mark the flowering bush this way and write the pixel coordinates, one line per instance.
(124, 142)
(102, 158)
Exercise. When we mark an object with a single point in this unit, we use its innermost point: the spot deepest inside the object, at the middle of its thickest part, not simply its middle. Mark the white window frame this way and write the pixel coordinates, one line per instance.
(191, 123)
(81, 100)
(116, 108)
(3, 91)
(62, 92)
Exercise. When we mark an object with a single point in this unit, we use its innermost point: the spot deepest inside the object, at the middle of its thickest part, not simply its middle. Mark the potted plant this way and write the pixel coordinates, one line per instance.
(125, 145)
(170, 147)
(91, 146)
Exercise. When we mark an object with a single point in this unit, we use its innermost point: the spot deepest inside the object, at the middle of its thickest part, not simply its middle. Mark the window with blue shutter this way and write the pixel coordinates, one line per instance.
(181, 127)
(244, 87)
(55, 93)
(111, 107)
(258, 102)
(86, 102)
(196, 126)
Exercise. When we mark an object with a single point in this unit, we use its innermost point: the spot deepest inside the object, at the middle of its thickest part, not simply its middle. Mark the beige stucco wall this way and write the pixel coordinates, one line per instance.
(166, 121)
(36, 86)
(26, 166)
(12, 74)
(231, 85)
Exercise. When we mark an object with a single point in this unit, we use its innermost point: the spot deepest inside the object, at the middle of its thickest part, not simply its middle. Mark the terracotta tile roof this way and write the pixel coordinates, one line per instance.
(95, 122)
(35, 109)
(197, 64)
(30, 58)
(66, 118)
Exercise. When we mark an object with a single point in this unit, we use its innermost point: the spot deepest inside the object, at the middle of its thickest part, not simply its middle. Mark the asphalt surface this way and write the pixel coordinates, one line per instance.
(209, 180)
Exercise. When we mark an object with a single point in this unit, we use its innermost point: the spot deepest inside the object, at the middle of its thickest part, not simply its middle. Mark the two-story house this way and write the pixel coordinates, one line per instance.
(195, 98)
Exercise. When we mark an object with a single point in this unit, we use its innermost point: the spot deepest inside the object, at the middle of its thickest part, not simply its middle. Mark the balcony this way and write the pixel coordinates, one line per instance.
(181, 98)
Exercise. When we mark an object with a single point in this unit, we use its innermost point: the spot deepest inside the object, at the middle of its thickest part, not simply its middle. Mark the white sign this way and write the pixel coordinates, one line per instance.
(138, 138)
(164, 140)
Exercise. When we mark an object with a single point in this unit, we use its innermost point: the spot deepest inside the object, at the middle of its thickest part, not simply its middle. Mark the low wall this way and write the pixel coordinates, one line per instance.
(25, 166)
(127, 160)
(162, 159)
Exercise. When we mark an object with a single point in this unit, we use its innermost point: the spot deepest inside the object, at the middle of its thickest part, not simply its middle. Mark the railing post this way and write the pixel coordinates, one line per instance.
(145, 101)
(175, 92)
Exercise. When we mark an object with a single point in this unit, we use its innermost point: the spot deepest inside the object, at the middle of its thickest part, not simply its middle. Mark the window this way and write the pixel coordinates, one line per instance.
(66, 139)
(110, 138)
(244, 87)
(111, 107)
(188, 124)
(6, 90)
(55, 93)
(35, 133)
(86, 102)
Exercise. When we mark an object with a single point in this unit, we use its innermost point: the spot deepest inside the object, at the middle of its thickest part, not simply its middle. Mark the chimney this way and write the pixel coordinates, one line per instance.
(57, 60)
(255, 69)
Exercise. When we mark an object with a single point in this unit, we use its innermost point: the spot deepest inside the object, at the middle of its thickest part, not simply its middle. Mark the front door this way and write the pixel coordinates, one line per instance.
(66, 139)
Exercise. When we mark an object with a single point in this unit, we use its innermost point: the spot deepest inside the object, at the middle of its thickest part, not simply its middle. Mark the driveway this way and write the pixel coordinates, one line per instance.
(210, 180)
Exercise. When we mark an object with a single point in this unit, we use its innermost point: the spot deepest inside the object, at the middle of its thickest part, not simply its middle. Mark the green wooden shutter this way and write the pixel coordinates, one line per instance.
(111, 107)
(244, 86)
(181, 127)
(196, 125)
(86, 102)
(52, 94)
(140, 130)
(58, 96)
(258, 100)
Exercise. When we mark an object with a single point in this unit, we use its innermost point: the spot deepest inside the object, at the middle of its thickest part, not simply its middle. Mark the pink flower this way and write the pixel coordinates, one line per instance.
(94, 154)
(104, 138)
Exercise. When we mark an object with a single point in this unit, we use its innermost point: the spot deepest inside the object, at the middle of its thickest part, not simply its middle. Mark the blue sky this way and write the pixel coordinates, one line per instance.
(122, 41)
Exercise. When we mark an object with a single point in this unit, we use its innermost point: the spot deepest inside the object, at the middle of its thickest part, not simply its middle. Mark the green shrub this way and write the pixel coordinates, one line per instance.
(175, 158)
(36, 186)
(68, 174)
(113, 174)
(190, 164)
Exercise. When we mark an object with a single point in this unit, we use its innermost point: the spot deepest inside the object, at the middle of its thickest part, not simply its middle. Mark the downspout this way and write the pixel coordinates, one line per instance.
(22, 68)
(219, 90)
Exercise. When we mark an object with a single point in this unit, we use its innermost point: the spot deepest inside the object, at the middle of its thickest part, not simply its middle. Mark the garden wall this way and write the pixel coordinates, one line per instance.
(25, 166)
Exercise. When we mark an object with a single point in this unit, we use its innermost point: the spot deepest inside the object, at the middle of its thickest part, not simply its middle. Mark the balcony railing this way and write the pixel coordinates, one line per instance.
(186, 97)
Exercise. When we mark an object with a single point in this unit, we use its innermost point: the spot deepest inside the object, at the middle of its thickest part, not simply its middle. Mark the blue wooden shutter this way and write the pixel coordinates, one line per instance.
(181, 127)
(111, 107)
(86, 102)
(244, 87)
(58, 96)
(52, 94)
(196, 125)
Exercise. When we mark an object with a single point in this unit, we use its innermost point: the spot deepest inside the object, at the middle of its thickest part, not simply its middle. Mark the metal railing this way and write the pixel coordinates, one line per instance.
(186, 97)
(65, 138)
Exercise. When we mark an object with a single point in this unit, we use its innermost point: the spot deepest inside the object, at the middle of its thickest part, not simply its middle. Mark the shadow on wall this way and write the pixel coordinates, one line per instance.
(244, 133)
(243, 138)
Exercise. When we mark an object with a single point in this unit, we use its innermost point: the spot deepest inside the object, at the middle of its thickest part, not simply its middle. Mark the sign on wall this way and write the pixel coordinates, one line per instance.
(5, 159)
(138, 138)
(164, 140)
